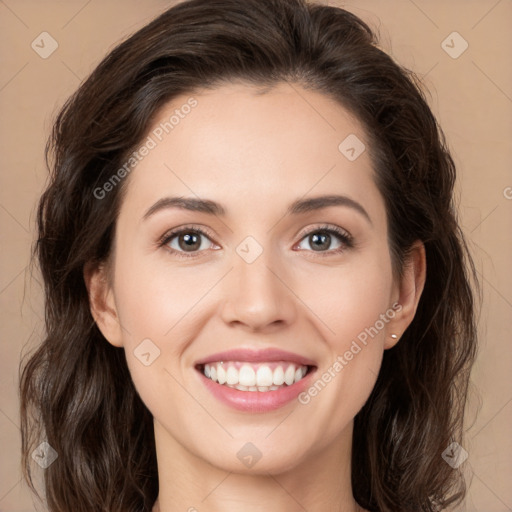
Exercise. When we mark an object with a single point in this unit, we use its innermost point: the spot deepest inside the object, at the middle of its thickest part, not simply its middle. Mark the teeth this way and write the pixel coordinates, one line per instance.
(289, 375)
(254, 377)
(264, 376)
(232, 375)
(246, 376)
(221, 375)
(278, 376)
(254, 388)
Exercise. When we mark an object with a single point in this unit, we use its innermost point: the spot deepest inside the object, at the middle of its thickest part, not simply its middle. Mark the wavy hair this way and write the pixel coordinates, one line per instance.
(75, 388)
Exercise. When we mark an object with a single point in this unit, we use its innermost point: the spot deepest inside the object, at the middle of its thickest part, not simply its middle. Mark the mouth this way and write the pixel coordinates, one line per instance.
(255, 381)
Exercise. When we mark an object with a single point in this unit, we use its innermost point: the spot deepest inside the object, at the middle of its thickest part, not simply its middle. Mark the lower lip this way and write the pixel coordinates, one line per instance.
(256, 401)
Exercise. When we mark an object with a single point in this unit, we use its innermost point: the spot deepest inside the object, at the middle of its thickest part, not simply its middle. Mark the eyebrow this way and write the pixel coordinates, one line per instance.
(297, 207)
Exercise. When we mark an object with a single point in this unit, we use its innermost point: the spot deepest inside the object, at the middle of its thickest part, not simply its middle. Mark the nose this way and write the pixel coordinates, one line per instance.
(258, 295)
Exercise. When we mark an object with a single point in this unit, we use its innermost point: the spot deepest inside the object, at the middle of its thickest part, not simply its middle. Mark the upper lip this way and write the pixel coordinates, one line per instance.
(256, 356)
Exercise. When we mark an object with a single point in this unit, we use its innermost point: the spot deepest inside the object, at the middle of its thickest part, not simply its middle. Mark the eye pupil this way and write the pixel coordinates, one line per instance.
(323, 238)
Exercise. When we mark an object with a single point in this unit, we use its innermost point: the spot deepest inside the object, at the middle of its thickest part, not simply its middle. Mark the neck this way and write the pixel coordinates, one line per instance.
(319, 483)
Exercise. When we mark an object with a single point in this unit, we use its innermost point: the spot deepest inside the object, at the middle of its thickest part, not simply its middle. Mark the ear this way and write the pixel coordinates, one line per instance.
(101, 303)
(408, 293)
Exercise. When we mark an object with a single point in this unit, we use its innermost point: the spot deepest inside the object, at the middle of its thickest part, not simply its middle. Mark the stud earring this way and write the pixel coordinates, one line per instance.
(394, 336)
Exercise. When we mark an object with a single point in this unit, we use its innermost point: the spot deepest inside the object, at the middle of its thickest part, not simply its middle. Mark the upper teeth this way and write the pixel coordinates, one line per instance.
(254, 376)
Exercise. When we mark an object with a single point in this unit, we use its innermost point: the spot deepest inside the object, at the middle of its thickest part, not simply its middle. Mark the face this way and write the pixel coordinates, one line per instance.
(296, 294)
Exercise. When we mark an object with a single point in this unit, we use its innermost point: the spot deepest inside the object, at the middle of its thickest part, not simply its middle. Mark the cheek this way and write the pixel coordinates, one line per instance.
(349, 298)
(164, 301)
(161, 312)
(154, 310)
(157, 300)
(354, 310)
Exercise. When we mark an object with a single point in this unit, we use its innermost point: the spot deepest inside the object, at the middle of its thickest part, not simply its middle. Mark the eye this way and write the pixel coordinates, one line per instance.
(186, 242)
(321, 238)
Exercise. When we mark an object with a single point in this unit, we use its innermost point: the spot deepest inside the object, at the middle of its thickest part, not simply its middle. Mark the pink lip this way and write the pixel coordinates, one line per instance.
(257, 356)
(256, 401)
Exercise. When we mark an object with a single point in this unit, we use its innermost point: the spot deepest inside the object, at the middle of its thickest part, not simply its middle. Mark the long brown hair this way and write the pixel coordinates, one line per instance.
(76, 390)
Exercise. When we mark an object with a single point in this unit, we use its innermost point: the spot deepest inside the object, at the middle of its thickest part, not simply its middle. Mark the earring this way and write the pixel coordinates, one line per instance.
(394, 336)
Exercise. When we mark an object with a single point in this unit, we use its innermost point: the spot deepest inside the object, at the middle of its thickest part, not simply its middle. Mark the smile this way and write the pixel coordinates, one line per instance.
(255, 381)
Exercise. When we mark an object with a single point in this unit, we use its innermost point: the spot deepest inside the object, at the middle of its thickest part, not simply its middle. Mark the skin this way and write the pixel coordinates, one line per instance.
(255, 154)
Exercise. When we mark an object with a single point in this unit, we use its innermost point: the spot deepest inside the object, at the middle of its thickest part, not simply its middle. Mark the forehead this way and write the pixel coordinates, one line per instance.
(246, 147)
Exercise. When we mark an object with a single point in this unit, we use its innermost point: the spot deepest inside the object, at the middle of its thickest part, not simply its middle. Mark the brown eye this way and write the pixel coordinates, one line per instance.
(189, 241)
(321, 240)
(186, 242)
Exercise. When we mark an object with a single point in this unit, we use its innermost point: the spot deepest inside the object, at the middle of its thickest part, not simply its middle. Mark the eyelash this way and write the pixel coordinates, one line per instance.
(345, 238)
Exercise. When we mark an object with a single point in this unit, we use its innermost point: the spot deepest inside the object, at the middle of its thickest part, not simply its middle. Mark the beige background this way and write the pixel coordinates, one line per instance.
(471, 96)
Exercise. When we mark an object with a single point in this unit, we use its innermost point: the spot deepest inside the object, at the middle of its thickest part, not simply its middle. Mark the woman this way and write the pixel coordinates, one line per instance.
(257, 292)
